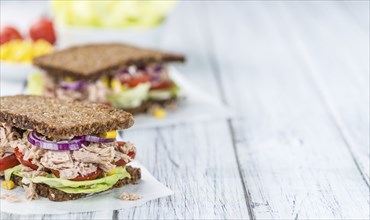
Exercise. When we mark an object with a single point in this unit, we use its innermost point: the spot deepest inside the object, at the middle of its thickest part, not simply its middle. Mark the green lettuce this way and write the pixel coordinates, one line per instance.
(35, 84)
(130, 98)
(68, 186)
(163, 94)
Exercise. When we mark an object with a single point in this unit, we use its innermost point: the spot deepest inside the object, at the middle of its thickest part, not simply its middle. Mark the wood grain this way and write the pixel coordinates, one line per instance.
(297, 74)
(294, 157)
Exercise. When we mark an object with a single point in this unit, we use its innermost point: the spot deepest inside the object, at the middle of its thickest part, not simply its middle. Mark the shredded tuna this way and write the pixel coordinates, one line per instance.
(96, 153)
(30, 191)
(30, 173)
(129, 196)
(70, 164)
(97, 92)
(8, 139)
(10, 197)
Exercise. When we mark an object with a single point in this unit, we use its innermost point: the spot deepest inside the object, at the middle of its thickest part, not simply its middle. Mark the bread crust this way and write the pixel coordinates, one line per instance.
(56, 195)
(91, 61)
(53, 117)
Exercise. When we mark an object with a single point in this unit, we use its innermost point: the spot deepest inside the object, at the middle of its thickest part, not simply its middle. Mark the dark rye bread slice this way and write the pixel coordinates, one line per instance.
(53, 117)
(53, 194)
(94, 60)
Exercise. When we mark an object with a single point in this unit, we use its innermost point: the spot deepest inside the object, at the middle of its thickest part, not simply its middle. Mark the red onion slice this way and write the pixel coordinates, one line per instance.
(96, 139)
(78, 85)
(73, 144)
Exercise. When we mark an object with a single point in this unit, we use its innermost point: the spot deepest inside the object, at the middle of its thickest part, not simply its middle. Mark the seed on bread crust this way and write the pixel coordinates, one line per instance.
(53, 117)
(94, 60)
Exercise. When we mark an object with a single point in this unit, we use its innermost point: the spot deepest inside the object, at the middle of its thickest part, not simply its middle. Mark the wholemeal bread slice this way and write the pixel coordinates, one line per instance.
(94, 60)
(58, 195)
(58, 118)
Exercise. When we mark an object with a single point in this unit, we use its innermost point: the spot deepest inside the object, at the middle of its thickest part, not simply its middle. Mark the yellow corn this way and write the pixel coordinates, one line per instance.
(111, 172)
(159, 112)
(7, 184)
(68, 79)
(116, 85)
(109, 134)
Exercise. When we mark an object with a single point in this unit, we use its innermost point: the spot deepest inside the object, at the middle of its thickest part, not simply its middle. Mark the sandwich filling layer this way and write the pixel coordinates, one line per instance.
(95, 165)
(126, 89)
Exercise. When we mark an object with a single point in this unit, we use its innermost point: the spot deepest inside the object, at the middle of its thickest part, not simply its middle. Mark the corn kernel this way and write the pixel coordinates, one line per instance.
(7, 184)
(159, 113)
(116, 85)
(109, 134)
(111, 172)
(68, 79)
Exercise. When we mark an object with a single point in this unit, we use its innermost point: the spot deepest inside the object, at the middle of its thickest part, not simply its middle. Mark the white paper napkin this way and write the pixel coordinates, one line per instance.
(148, 188)
(197, 106)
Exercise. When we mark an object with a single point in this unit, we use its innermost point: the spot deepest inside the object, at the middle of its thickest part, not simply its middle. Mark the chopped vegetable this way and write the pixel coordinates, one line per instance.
(96, 139)
(74, 144)
(24, 51)
(109, 134)
(111, 172)
(7, 184)
(43, 29)
(9, 33)
(8, 162)
(35, 84)
(159, 112)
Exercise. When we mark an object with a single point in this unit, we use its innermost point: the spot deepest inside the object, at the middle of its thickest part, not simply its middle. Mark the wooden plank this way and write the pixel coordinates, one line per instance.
(197, 162)
(340, 50)
(194, 160)
(294, 159)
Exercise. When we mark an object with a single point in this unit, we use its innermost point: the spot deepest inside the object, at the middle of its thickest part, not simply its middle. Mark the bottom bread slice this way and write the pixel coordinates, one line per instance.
(147, 105)
(58, 195)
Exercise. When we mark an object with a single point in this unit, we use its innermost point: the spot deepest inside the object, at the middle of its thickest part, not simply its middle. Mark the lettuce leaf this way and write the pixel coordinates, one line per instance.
(130, 98)
(35, 84)
(163, 94)
(68, 186)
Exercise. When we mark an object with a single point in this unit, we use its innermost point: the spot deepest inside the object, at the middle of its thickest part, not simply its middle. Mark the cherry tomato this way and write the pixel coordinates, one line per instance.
(162, 85)
(43, 29)
(9, 33)
(26, 163)
(8, 162)
(136, 80)
(90, 176)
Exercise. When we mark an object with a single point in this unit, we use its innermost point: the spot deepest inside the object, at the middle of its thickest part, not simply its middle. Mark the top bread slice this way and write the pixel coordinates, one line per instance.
(94, 60)
(57, 118)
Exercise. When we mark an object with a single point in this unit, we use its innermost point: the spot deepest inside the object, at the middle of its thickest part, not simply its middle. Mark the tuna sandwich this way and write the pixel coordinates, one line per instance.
(64, 150)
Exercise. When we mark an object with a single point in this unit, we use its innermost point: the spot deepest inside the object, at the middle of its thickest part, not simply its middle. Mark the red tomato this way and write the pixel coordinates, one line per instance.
(43, 29)
(9, 33)
(8, 162)
(136, 80)
(90, 176)
(131, 154)
(26, 163)
(162, 85)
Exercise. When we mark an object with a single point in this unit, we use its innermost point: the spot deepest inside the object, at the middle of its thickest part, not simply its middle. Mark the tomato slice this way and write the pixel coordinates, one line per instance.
(8, 162)
(131, 154)
(136, 80)
(90, 176)
(26, 163)
(162, 85)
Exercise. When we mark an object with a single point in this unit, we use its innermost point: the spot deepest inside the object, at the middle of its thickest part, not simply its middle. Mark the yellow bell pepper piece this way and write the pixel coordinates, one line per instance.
(7, 184)
(109, 134)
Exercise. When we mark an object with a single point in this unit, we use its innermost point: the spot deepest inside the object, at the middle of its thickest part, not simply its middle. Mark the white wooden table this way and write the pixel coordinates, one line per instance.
(297, 74)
